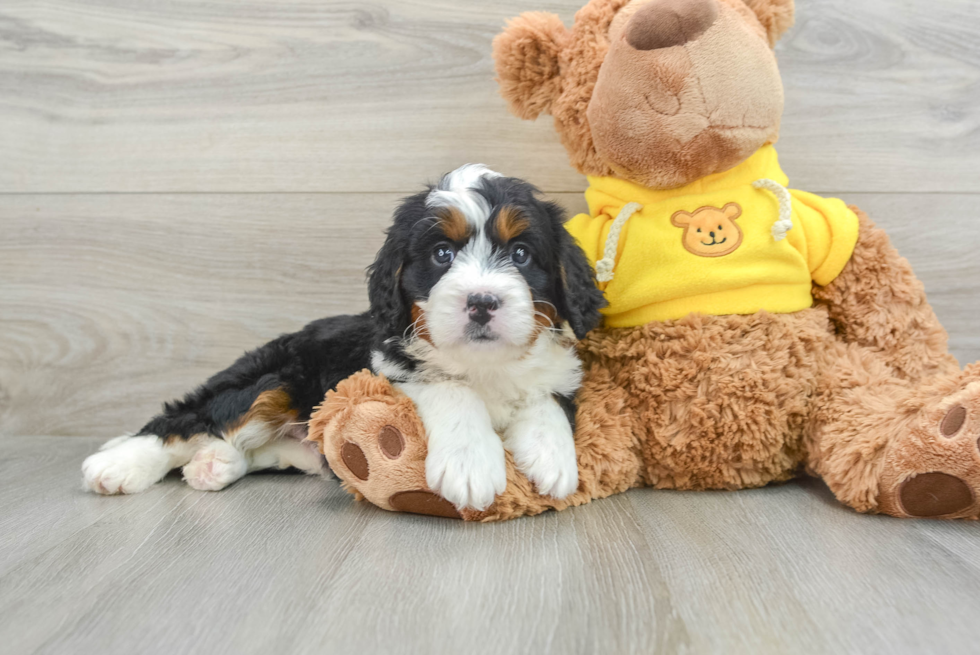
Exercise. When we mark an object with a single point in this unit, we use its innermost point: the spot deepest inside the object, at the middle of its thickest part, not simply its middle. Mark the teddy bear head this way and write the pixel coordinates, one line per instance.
(658, 92)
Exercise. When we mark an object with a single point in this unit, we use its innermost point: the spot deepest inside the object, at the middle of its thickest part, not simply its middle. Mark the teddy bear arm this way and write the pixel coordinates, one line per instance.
(376, 445)
(878, 302)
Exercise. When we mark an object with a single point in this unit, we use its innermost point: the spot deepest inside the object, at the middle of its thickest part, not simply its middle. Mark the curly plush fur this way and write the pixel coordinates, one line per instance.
(859, 389)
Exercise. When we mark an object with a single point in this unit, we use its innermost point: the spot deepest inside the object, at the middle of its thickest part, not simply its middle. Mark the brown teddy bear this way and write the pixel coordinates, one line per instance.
(752, 331)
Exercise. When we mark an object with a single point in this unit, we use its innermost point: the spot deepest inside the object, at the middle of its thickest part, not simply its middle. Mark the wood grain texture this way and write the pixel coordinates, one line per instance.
(112, 304)
(291, 564)
(317, 95)
(296, 125)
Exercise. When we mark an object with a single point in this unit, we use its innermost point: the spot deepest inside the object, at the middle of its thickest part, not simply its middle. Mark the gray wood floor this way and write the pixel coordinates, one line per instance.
(181, 181)
(289, 564)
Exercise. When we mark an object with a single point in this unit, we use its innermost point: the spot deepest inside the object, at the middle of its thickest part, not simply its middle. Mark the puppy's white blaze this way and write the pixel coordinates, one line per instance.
(468, 175)
(456, 189)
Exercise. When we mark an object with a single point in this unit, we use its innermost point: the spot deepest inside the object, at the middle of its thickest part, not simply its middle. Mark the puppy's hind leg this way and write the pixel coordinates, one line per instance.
(216, 465)
(286, 453)
(129, 465)
(259, 439)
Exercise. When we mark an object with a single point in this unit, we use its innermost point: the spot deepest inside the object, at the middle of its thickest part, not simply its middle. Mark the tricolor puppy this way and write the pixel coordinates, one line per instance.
(476, 299)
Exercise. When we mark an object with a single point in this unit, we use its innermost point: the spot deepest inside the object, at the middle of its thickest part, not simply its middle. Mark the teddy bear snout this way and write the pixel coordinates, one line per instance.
(666, 23)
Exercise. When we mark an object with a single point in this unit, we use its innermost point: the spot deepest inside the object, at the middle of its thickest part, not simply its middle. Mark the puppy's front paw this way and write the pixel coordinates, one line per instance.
(469, 473)
(544, 451)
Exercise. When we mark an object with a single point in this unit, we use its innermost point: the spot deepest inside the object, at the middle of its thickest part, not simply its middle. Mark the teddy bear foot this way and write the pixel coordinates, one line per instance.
(375, 443)
(382, 463)
(934, 470)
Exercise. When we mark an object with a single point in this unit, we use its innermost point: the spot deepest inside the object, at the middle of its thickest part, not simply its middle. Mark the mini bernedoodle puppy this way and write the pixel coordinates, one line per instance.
(476, 300)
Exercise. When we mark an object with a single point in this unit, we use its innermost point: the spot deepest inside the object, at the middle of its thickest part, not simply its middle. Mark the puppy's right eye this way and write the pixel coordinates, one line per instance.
(443, 254)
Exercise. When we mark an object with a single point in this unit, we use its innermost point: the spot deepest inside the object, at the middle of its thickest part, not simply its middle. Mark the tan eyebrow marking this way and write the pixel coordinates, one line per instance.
(510, 223)
(453, 223)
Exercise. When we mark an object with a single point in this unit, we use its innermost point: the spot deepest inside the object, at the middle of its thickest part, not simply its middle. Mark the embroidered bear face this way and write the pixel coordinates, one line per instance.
(709, 231)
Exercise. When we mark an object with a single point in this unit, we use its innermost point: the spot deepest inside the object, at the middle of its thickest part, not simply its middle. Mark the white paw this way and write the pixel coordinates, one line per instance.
(215, 466)
(126, 465)
(544, 451)
(468, 472)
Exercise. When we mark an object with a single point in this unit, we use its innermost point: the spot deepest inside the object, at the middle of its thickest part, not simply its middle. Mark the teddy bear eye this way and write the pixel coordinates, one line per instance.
(719, 227)
(699, 230)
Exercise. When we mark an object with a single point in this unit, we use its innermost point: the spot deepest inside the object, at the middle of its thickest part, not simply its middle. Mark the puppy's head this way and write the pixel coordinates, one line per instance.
(479, 262)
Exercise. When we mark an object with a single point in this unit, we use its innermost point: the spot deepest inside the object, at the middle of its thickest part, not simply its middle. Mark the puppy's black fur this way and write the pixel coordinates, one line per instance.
(306, 364)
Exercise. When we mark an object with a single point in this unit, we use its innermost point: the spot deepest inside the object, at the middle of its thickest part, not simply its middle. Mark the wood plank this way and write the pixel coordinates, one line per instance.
(112, 304)
(787, 569)
(882, 96)
(315, 95)
(291, 564)
(138, 298)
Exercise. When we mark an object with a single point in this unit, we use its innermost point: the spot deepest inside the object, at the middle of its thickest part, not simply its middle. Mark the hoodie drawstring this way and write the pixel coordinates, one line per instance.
(604, 267)
(785, 222)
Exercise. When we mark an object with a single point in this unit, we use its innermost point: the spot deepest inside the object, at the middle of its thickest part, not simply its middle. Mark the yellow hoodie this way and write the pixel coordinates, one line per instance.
(735, 242)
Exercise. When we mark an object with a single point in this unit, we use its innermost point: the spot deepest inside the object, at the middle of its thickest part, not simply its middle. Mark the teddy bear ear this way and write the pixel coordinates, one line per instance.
(776, 16)
(526, 56)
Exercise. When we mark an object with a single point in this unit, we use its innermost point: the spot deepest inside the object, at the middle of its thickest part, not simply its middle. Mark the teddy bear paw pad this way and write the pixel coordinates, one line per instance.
(355, 460)
(391, 443)
(385, 463)
(423, 502)
(935, 494)
(934, 472)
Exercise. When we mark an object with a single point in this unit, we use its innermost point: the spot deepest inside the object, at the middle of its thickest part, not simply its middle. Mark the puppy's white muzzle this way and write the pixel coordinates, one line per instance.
(481, 305)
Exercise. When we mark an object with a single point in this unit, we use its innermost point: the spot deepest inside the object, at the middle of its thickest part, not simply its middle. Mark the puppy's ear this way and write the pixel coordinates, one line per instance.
(526, 57)
(389, 306)
(776, 16)
(579, 299)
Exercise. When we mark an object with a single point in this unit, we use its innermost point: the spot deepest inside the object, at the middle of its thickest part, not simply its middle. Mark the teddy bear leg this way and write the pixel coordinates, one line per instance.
(877, 302)
(375, 443)
(887, 445)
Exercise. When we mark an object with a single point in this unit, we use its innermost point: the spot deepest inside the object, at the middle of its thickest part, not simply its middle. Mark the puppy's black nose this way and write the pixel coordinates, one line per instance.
(480, 305)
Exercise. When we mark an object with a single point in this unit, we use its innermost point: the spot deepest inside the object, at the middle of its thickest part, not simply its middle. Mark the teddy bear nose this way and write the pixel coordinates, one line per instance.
(666, 23)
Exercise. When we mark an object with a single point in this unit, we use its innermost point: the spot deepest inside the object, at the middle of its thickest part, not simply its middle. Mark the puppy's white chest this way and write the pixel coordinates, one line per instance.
(502, 413)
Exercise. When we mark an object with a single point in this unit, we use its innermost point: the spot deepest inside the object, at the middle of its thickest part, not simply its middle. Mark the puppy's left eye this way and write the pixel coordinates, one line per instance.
(520, 255)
